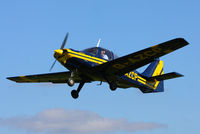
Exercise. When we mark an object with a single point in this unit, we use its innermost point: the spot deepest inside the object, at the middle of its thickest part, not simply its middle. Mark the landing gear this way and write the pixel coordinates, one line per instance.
(75, 93)
(70, 82)
(113, 86)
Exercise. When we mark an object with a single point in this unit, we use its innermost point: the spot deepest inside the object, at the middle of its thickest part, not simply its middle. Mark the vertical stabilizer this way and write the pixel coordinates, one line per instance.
(154, 69)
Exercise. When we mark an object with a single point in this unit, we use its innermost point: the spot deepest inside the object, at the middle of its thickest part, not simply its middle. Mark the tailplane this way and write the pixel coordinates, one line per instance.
(155, 76)
(167, 76)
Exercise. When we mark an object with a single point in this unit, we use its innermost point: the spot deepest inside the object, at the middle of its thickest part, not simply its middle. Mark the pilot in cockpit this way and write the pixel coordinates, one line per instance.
(103, 54)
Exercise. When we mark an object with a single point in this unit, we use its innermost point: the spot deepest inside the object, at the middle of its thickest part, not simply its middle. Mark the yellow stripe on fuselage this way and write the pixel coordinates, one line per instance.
(80, 55)
(86, 56)
(134, 76)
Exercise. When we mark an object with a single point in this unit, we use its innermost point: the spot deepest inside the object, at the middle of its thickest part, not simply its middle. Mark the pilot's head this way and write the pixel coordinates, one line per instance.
(102, 52)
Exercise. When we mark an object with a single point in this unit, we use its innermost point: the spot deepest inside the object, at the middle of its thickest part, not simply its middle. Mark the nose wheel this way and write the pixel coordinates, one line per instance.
(75, 93)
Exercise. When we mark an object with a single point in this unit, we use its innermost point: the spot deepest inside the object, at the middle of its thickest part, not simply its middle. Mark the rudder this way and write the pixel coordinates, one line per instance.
(154, 69)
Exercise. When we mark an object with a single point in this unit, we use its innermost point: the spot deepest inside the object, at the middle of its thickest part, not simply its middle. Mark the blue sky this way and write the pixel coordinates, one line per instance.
(31, 30)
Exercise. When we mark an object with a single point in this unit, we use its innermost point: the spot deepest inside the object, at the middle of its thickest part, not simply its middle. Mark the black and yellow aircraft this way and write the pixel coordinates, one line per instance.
(99, 64)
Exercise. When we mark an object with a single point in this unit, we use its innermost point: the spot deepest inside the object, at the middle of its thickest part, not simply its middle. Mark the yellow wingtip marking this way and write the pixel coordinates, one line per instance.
(27, 79)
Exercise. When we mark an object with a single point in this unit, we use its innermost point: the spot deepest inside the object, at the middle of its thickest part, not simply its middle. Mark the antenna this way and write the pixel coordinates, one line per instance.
(98, 42)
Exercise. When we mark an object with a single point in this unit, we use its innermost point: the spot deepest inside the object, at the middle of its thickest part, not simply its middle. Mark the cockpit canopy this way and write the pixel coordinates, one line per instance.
(100, 52)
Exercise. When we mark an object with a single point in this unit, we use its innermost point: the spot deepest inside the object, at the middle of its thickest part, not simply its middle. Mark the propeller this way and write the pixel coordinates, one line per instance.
(64, 41)
(63, 45)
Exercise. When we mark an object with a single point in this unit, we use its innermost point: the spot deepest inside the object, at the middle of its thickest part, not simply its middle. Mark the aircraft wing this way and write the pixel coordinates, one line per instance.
(59, 77)
(130, 62)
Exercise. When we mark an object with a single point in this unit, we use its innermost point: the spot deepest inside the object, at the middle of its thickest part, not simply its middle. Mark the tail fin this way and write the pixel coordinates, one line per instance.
(154, 69)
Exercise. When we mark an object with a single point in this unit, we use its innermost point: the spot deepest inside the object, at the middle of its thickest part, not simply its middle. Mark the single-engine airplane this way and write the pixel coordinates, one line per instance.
(100, 64)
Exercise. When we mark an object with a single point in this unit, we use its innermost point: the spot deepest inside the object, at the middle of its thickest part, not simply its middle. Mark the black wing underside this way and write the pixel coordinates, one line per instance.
(138, 59)
(60, 77)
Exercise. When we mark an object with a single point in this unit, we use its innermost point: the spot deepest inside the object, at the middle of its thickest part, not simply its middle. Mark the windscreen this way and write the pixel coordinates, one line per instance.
(93, 51)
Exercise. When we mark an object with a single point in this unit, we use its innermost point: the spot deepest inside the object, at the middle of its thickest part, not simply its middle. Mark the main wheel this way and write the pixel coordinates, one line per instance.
(70, 82)
(74, 94)
(113, 86)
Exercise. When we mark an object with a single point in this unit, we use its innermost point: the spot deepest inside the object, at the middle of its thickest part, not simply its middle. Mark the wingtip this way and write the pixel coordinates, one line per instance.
(11, 78)
(182, 41)
(178, 74)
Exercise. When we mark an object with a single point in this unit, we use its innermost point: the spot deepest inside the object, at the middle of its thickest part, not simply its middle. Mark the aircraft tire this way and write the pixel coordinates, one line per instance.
(113, 86)
(74, 94)
(70, 82)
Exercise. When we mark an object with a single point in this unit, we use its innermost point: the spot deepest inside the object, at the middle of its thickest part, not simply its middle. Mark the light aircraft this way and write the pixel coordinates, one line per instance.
(100, 64)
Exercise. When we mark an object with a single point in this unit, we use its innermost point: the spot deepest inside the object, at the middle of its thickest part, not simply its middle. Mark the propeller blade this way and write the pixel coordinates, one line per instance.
(63, 45)
(64, 41)
(52, 65)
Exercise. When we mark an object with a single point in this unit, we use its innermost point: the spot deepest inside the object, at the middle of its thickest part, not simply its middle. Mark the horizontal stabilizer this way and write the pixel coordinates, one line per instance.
(165, 76)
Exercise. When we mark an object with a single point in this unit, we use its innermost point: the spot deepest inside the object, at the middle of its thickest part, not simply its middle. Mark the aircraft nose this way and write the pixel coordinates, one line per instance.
(58, 52)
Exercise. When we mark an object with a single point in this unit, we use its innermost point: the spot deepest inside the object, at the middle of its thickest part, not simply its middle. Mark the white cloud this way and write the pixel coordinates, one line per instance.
(74, 121)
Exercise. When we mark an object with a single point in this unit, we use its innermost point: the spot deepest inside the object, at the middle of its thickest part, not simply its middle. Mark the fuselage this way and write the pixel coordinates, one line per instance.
(83, 61)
